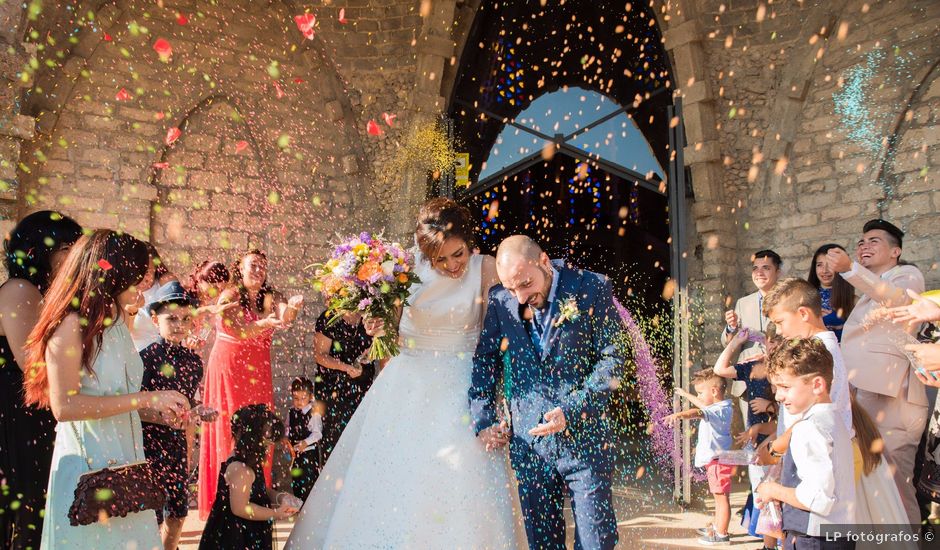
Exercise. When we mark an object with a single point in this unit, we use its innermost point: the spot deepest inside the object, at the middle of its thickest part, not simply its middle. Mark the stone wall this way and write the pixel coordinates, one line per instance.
(14, 126)
(268, 155)
(804, 119)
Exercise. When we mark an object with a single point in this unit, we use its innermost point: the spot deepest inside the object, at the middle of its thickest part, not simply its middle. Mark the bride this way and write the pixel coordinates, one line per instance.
(408, 471)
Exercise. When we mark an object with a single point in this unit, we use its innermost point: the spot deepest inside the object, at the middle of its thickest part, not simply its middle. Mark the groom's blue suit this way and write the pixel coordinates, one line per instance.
(573, 364)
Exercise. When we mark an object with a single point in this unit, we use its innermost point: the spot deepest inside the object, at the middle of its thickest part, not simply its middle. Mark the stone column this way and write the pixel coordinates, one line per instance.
(14, 127)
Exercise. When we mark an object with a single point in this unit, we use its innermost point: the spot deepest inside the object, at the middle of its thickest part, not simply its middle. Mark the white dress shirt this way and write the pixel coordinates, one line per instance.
(819, 444)
(315, 425)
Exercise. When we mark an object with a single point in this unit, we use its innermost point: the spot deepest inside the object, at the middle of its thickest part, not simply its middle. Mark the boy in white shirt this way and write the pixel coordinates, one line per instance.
(811, 492)
(714, 436)
(795, 308)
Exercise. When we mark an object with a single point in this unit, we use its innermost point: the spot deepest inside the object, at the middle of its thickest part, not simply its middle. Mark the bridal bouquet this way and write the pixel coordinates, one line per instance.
(371, 276)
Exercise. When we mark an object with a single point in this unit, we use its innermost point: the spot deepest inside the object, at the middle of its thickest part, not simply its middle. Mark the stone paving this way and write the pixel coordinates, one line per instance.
(644, 522)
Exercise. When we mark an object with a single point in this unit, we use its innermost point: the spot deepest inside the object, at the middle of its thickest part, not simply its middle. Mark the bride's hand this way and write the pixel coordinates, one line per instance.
(495, 436)
(374, 326)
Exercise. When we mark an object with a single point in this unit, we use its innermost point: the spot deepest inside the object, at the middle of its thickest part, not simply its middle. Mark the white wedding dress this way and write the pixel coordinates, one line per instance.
(408, 471)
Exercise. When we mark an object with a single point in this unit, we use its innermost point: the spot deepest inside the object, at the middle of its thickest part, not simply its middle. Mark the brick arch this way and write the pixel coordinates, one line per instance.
(890, 165)
(211, 195)
(309, 62)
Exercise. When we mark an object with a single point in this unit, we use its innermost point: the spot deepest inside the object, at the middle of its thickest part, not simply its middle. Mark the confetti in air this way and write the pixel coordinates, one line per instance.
(373, 128)
(172, 135)
(163, 49)
(305, 23)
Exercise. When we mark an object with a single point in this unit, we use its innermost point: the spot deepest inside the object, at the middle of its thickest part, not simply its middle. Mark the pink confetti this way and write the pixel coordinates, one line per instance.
(342, 16)
(159, 116)
(172, 135)
(123, 95)
(280, 92)
(654, 396)
(305, 24)
(373, 128)
(240, 146)
(181, 18)
(161, 165)
(104, 264)
(299, 80)
(163, 49)
(388, 118)
(107, 37)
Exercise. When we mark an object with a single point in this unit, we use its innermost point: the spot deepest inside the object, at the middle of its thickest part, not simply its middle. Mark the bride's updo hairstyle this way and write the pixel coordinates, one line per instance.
(440, 219)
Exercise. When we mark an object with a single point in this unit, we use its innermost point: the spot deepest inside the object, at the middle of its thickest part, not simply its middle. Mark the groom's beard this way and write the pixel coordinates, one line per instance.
(542, 296)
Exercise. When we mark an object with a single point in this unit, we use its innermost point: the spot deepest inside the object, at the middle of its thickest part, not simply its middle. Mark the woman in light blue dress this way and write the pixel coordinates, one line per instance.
(83, 365)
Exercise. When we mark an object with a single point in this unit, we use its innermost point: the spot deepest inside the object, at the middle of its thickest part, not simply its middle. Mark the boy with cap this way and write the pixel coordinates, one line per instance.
(886, 385)
(168, 365)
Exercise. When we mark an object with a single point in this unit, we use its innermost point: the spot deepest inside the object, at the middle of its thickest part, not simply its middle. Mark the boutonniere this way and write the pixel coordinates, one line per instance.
(567, 311)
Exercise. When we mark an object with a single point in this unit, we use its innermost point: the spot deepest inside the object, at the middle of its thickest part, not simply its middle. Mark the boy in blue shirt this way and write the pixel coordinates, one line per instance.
(714, 436)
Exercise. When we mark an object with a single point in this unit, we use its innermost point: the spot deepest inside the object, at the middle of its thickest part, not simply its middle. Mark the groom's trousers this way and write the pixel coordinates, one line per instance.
(543, 485)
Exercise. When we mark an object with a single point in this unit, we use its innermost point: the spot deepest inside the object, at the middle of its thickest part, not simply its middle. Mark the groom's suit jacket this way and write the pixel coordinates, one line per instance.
(578, 366)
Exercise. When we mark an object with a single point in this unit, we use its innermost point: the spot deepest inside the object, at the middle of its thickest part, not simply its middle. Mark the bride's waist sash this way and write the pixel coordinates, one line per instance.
(437, 344)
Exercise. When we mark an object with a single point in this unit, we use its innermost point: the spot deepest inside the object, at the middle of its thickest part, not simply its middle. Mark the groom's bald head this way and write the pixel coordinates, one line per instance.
(518, 246)
(524, 270)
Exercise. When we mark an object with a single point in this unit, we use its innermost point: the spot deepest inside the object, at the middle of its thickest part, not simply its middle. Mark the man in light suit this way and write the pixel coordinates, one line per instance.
(748, 311)
(886, 385)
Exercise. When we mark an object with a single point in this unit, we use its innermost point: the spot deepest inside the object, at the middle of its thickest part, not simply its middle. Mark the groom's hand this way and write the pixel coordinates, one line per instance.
(495, 436)
(554, 422)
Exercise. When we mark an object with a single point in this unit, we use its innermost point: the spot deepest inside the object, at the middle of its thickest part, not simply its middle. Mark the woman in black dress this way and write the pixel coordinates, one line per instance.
(342, 380)
(242, 514)
(33, 251)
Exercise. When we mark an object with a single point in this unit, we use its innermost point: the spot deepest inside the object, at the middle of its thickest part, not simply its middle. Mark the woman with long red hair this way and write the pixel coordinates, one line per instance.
(238, 371)
(82, 364)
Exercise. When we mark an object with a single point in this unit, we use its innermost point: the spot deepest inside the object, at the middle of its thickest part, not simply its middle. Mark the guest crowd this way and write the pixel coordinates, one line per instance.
(834, 371)
(108, 359)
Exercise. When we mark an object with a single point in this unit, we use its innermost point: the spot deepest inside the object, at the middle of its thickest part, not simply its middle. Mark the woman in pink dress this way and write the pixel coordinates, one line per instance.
(238, 371)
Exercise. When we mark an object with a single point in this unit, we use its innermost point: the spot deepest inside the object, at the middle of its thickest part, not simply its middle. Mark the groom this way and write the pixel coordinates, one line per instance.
(550, 338)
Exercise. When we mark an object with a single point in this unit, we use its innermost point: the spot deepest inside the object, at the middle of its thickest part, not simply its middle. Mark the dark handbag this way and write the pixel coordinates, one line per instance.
(115, 491)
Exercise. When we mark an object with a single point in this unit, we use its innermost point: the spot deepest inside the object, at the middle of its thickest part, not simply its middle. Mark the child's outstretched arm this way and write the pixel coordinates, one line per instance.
(695, 401)
(724, 365)
(674, 418)
(240, 478)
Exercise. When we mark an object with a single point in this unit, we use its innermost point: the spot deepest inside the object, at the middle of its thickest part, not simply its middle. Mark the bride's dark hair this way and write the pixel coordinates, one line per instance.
(440, 219)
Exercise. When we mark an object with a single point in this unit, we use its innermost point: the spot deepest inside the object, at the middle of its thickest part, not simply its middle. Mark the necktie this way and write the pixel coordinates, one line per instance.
(538, 326)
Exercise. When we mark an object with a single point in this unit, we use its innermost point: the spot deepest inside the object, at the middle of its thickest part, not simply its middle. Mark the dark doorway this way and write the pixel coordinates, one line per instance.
(580, 200)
